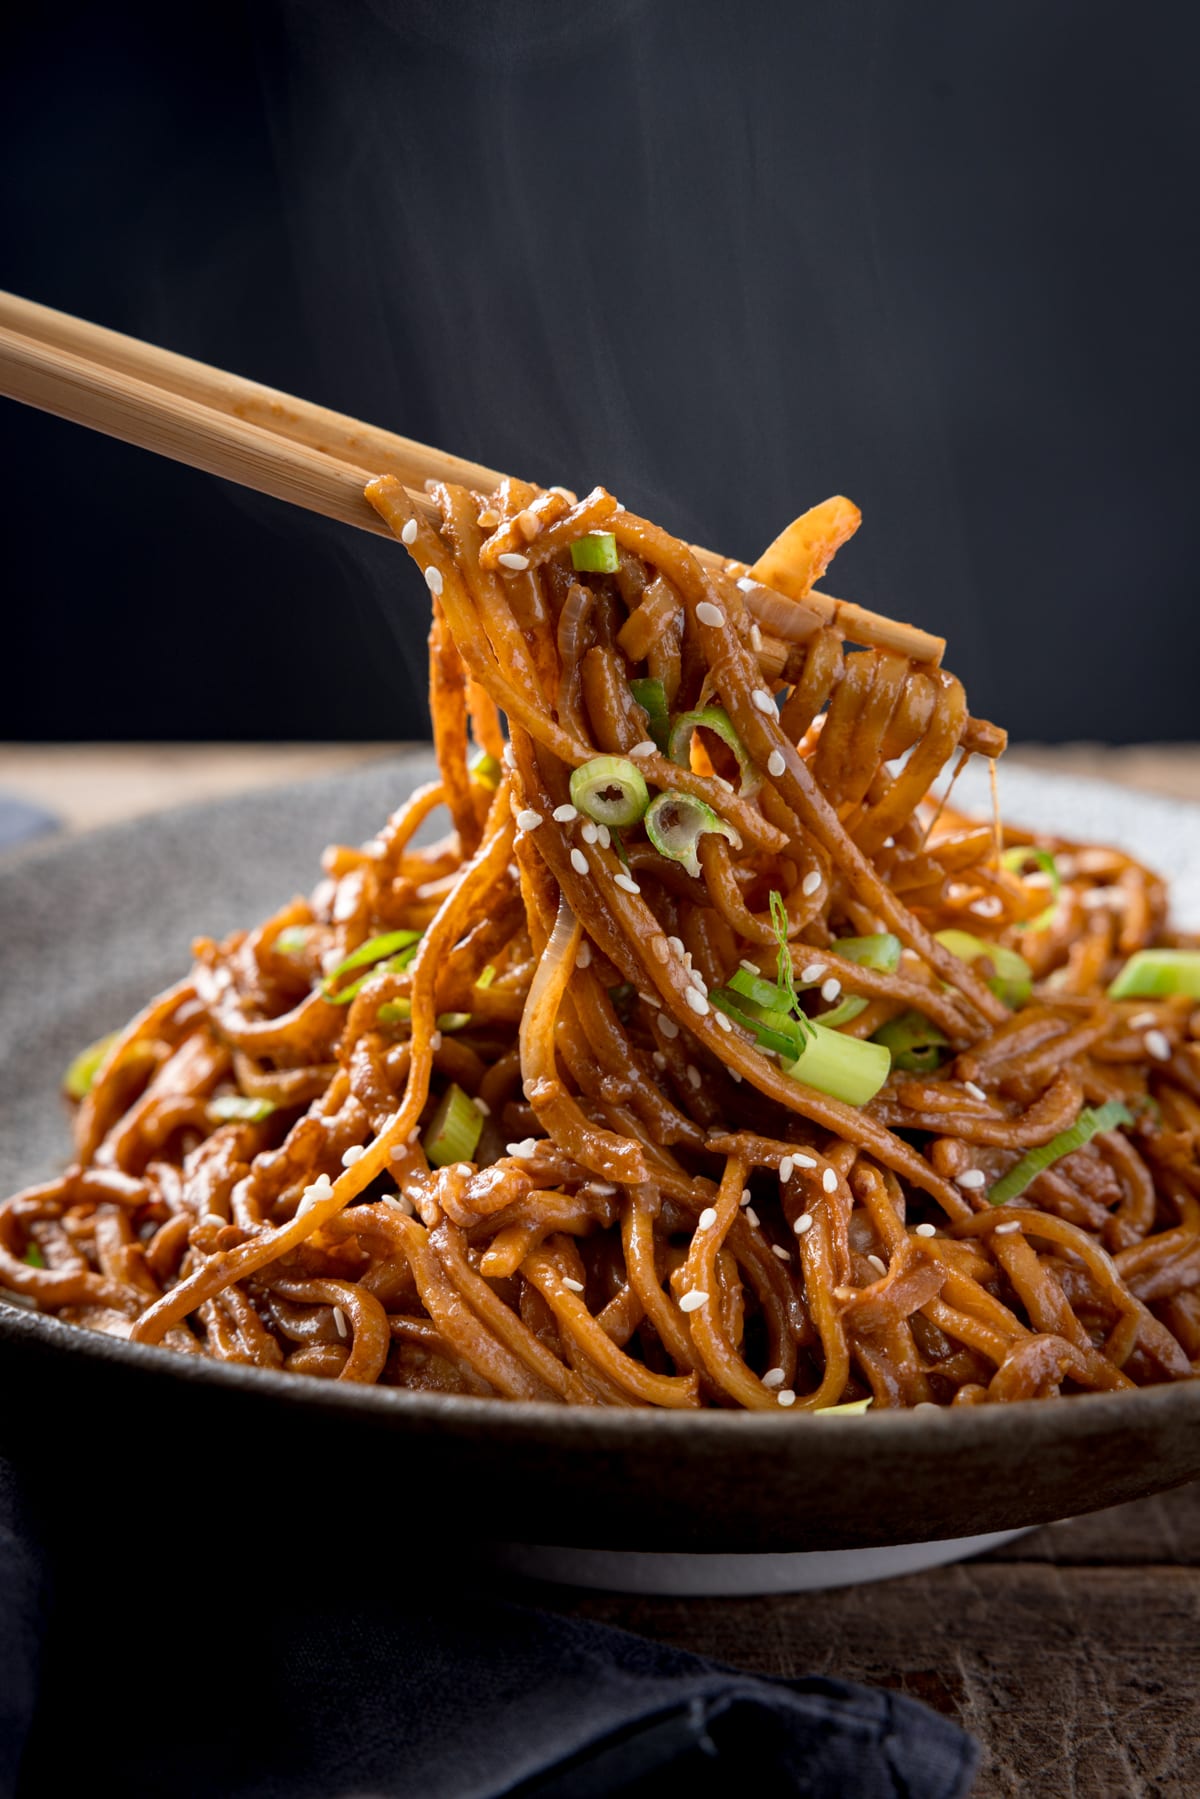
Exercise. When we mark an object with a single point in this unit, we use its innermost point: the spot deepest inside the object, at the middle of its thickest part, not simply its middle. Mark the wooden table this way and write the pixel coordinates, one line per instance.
(1073, 1655)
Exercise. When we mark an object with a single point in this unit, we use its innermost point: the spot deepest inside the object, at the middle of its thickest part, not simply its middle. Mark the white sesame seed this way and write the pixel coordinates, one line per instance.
(878, 1263)
(1158, 1045)
(926, 1405)
(803, 1161)
(697, 979)
(829, 1181)
(927, 1230)
(811, 882)
(409, 533)
(831, 988)
(512, 559)
(572, 1286)
(756, 642)
(693, 1074)
(1143, 1021)
(777, 1249)
(435, 1041)
(579, 862)
(339, 1321)
(722, 782)
(971, 1178)
(752, 1217)
(415, 1133)
(354, 1154)
(588, 832)
(565, 815)
(528, 820)
(785, 1168)
(691, 1302)
(812, 974)
(644, 748)
(583, 955)
(746, 584)
(667, 1026)
(745, 1199)
(786, 1397)
(402, 1203)
(723, 1023)
(735, 1074)
(482, 1107)
(988, 907)
(604, 1188)
(775, 764)
(626, 883)
(1014, 1224)
(803, 1224)
(696, 1001)
(707, 1219)
(433, 579)
(677, 945)
(604, 836)
(658, 1059)
(773, 1378)
(708, 614)
(763, 700)
(974, 1091)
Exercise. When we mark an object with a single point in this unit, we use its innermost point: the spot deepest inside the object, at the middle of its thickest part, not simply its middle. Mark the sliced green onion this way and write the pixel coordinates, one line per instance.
(915, 1043)
(851, 1407)
(486, 771)
(611, 790)
(1157, 974)
(292, 940)
(454, 1129)
(880, 951)
(847, 1068)
(394, 1011)
(453, 1021)
(761, 991)
(782, 924)
(34, 1257)
(77, 1082)
(486, 975)
(845, 1010)
(595, 554)
(651, 696)
(375, 950)
(716, 720)
(1086, 1126)
(1013, 979)
(776, 1031)
(675, 823)
(1015, 859)
(230, 1108)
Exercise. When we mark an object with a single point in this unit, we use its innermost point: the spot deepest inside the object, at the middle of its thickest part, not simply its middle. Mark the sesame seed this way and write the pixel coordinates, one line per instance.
(433, 579)
(750, 967)
(971, 1178)
(696, 1001)
(605, 1189)
(339, 1321)
(697, 979)
(803, 1224)
(658, 1059)
(829, 1181)
(926, 1405)
(414, 1133)
(707, 1219)
(605, 836)
(785, 1169)
(723, 1023)
(482, 1107)
(667, 1026)
(831, 988)
(845, 1293)
(512, 559)
(777, 1249)
(786, 1397)
(927, 1230)
(583, 955)
(988, 907)
(775, 763)
(579, 862)
(402, 1203)
(409, 533)
(708, 614)
(763, 701)
(435, 1041)
(746, 584)
(974, 1091)
(660, 949)
(529, 525)
(352, 1155)
(488, 518)
(803, 1161)
(1014, 1224)
(693, 1074)
(878, 1263)
(1158, 1045)
(589, 833)
(1143, 1021)
(626, 883)
(677, 945)
(644, 748)
(565, 815)
(756, 642)
(811, 882)
(691, 1302)
(528, 820)
(722, 782)
(735, 1074)
(812, 974)
(572, 1286)
(752, 1217)
(745, 1199)
(773, 1377)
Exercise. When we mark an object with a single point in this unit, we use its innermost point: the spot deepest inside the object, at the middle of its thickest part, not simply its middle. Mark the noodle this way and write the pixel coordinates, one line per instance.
(649, 1206)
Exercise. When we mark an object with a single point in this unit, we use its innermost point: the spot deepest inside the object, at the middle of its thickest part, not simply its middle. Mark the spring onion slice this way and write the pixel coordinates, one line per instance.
(611, 790)
(1157, 974)
(454, 1130)
(77, 1081)
(675, 823)
(595, 554)
(651, 696)
(239, 1108)
(716, 720)
(453, 1021)
(486, 975)
(762, 992)
(397, 947)
(848, 1410)
(915, 1043)
(394, 1011)
(775, 1031)
(34, 1257)
(1015, 859)
(845, 1010)
(1013, 979)
(852, 1069)
(486, 771)
(880, 951)
(1086, 1126)
(782, 924)
(292, 940)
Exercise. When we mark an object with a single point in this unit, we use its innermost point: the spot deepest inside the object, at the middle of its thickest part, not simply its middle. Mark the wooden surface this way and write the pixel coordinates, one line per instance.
(1073, 1655)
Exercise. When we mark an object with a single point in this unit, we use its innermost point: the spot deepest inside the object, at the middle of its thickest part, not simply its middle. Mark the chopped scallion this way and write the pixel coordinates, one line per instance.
(454, 1130)
(762, 992)
(397, 948)
(1013, 979)
(611, 790)
(777, 1031)
(34, 1256)
(1036, 1161)
(595, 554)
(453, 1021)
(716, 720)
(651, 696)
(782, 924)
(394, 1011)
(77, 1082)
(844, 1012)
(1015, 860)
(486, 771)
(852, 1069)
(486, 975)
(239, 1108)
(915, 1043)
(851, 1407)
(1157, 974)
(292, 940)
(880, 951)
(675, 823)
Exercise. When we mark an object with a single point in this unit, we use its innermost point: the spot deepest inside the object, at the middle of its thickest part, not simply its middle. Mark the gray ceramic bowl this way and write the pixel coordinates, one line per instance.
(93, 926)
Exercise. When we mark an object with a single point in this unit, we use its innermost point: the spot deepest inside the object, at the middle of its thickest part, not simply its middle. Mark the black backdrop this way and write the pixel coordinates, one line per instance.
(725, 258)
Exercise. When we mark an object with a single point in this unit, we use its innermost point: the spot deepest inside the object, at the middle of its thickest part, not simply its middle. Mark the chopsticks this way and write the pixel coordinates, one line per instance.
(277, 444)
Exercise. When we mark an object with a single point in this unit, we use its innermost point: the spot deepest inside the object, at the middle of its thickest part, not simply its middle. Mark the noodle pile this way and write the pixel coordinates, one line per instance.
(655, 1212)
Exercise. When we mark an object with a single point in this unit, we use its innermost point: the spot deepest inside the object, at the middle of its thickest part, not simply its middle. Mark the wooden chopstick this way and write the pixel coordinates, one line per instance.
(278, 444)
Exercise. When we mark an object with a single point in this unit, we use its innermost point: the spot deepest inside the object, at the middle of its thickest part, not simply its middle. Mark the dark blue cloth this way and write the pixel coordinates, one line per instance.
(137, 1658)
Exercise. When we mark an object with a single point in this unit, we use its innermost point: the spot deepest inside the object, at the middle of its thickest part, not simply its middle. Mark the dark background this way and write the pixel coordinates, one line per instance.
(726, 258)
